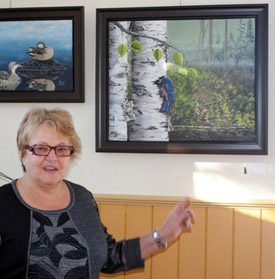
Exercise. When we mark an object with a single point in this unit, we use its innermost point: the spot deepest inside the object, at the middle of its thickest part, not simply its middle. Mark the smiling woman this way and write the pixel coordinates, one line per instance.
(54, 224)
(44, 173)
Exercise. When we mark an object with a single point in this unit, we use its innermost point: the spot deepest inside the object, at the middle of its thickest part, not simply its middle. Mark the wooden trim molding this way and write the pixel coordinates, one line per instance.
(170, 200)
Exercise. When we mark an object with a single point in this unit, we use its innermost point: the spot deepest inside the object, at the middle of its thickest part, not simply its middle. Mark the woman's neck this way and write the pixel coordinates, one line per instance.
(43, 197)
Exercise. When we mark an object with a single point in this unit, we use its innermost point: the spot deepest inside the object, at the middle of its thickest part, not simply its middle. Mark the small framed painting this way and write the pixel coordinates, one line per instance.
(42, 54)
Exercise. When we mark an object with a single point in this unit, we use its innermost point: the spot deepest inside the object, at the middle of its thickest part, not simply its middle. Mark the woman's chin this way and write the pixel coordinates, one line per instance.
(51, 180)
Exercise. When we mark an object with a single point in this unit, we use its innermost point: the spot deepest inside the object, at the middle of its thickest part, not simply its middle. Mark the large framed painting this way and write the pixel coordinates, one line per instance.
(42, 54)
(188, 79)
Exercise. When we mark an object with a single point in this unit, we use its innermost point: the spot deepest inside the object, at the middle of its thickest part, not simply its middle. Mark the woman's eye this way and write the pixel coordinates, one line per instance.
(42, 148)
(62, 149)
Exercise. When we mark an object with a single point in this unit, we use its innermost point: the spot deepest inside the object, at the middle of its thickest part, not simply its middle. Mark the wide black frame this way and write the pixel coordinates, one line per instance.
(76, 14)
(257, 11)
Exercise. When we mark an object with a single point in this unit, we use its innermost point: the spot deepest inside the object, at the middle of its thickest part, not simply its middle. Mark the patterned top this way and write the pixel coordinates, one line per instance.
(62, 244)
(57, 249)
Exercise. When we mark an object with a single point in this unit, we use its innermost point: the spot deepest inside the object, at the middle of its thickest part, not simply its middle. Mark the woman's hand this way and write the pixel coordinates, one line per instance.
(179, 220)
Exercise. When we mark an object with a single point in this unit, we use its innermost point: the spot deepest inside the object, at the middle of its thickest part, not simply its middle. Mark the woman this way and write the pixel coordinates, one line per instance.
(50, 227)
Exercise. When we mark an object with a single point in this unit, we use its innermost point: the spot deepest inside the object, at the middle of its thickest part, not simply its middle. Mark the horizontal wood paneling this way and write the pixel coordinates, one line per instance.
(228, 241)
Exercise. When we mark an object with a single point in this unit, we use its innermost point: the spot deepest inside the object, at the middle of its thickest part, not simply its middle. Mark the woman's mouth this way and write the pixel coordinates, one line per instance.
(50, 168)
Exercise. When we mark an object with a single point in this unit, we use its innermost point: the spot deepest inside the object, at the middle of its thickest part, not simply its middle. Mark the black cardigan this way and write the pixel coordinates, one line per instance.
(17, 219)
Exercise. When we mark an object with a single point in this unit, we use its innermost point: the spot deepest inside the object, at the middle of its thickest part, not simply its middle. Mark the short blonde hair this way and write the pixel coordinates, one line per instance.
(60, 119)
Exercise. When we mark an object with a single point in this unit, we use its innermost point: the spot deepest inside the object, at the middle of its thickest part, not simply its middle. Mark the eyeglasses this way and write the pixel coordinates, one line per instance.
(44, 150)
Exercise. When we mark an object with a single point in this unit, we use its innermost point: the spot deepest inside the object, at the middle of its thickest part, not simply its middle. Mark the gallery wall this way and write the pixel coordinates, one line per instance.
(204, 177)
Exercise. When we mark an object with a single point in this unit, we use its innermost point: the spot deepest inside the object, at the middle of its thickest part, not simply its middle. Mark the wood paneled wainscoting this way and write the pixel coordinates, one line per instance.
(228, 241)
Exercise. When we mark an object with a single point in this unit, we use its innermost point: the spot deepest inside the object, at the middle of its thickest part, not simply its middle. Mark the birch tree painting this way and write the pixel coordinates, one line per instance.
(118, 71)
(210, 64)
(139, 115)
(150, 124)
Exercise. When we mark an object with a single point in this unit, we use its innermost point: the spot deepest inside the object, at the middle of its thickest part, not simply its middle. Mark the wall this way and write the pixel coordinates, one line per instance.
(205, 177)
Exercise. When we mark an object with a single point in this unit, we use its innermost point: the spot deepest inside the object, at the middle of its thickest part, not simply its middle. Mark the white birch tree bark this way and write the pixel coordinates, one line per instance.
(149, 123)
(118, 73)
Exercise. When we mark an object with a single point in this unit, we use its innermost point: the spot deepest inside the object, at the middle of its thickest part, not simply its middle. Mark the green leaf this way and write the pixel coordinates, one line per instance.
(183, 71)
(122, 49)
(178, 59)
(136, 46)
(193, 72)
(157, 54)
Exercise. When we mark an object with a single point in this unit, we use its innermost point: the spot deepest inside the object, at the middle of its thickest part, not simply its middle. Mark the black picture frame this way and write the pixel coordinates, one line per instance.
(45, 80)
(257, 146)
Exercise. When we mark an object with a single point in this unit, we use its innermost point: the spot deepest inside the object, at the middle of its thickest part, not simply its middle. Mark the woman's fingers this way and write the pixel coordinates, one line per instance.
(185, 203)
(189, 219)
(191, 216)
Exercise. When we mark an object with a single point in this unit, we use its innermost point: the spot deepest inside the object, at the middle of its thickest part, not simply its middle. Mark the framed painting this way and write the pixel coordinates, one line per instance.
(188, 79)
(42, 54)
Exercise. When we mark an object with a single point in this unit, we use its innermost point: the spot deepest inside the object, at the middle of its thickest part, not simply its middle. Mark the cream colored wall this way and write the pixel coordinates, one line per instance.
(206, 177)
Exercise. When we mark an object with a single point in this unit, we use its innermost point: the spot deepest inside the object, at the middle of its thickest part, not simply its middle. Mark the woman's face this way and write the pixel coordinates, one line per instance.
(47, 170)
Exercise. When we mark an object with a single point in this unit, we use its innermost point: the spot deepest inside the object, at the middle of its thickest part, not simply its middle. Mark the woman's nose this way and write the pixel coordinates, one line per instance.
(52, 155)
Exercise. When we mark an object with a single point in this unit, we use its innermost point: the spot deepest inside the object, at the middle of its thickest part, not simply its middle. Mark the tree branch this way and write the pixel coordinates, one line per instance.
(145, 36)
